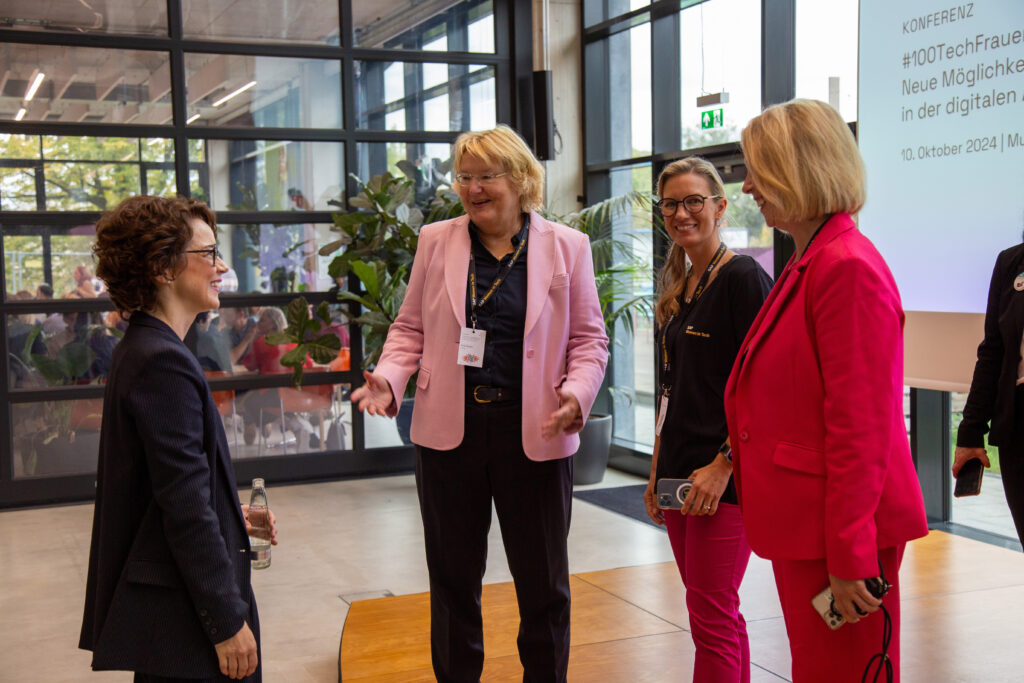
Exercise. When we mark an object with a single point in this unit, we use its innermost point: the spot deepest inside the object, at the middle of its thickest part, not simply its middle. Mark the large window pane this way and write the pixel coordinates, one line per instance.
(82, 173)
(84, 84)
(466, 26)
(596, 11)
(721, 52)
(134, 17)
(18, 187)
(743, 228)
(826, 53)
(424, 96)
(268, 175)
(619, 68)
(61, 261)
(271, 21)
(432, 163)
(276, 258)
(633, 353)
(279, 92)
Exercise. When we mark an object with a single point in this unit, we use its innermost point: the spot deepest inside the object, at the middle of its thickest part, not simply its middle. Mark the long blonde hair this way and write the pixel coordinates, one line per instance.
(673, 274)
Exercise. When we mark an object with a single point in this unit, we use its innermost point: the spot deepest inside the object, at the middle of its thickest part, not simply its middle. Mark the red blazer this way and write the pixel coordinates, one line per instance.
(815, 411)
(564, 345)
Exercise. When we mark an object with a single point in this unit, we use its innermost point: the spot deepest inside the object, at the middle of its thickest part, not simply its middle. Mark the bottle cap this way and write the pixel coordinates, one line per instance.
(257, 482)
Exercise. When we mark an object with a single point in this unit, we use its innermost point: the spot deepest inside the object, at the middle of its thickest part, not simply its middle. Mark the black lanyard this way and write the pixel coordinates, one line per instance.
(685, 307)
(501, 275)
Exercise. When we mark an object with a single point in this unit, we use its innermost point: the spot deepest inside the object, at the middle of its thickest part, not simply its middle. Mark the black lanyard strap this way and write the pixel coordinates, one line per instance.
(499, 277)
(685, 306)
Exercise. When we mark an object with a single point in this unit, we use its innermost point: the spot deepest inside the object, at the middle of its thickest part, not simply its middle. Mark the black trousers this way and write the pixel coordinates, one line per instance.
(1011, 464)
(533, 501)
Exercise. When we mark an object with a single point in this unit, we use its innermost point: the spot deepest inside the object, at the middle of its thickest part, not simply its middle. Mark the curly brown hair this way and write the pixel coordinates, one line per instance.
(140, 239)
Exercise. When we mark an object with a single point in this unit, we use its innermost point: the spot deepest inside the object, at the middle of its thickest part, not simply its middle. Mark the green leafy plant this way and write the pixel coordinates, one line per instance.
(306, 331)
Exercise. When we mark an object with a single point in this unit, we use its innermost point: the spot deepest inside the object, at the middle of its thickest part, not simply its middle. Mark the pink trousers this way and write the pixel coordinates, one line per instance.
(819, 653)
(712, 555)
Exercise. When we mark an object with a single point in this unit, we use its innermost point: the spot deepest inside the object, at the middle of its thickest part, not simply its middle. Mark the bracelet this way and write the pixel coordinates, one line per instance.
(726, 450)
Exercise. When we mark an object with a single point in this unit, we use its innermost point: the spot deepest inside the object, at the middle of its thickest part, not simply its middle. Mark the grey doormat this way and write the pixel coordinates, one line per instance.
(625, 500)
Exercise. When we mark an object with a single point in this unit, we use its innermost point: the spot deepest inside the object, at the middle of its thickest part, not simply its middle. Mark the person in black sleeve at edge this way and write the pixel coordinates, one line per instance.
(168, 593)
(997, 389)
(703, 314)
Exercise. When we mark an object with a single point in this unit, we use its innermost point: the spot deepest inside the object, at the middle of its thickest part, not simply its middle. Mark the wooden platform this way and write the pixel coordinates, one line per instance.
(960, 623)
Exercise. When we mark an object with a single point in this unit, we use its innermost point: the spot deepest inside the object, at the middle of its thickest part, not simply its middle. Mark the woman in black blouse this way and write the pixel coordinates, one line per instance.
(703, 314)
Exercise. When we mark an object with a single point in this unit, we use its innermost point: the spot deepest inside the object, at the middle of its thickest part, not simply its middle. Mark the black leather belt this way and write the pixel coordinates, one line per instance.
(482, 394)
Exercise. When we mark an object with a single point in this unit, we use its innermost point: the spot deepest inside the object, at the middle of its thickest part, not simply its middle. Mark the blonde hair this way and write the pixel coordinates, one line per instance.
(503, 147)
(804, 160)
(673, 273)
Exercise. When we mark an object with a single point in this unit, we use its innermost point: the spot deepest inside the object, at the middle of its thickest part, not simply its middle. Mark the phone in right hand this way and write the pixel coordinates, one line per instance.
(968, 482)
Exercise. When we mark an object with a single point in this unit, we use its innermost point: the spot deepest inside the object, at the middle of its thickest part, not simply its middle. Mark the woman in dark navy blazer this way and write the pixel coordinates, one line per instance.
(997, 389)
(168, 594)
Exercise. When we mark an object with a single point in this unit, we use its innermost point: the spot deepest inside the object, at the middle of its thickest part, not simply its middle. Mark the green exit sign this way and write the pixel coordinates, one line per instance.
(712, 118)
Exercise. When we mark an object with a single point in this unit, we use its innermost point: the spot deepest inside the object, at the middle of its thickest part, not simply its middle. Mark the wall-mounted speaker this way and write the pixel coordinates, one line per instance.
(543, 116)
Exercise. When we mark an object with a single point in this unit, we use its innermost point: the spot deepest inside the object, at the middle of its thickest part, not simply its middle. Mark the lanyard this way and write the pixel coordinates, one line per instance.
(686, 305)
(499, 277)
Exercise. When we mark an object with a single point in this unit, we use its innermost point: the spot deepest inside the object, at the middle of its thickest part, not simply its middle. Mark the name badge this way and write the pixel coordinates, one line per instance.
(471, 347)
(1018, 282)
(663, 408)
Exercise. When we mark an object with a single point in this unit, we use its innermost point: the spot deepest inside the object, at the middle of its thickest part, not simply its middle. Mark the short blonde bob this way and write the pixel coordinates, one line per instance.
(503, 147)
(804, 160)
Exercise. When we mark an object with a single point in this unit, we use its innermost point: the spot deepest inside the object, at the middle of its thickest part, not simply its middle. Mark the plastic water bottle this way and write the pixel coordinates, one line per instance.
(259, 518)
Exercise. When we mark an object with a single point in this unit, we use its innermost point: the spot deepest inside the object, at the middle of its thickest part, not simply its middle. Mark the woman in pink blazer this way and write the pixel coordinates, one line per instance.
(503, 323)
(814, 403)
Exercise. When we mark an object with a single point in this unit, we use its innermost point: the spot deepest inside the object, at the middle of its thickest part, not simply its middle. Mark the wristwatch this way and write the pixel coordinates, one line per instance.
(726, 450)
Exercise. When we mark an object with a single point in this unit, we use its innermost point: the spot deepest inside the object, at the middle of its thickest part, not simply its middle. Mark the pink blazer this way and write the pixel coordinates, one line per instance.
(564, 345)
(815, 411)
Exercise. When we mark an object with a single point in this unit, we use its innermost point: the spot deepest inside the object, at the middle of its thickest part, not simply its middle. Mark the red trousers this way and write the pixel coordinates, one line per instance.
(712, 555)
(819, 653)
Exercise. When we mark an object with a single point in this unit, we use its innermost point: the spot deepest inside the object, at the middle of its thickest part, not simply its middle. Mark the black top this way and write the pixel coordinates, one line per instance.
(995, 374)
(703, 341)
(503, 316)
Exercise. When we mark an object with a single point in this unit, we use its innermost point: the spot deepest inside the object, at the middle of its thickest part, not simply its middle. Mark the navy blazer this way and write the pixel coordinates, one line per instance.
(995, 373)
(169, 570)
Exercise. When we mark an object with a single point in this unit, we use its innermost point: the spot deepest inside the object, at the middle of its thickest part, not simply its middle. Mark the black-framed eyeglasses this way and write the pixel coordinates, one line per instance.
(212, 253)
(693, 203)
(466, 179)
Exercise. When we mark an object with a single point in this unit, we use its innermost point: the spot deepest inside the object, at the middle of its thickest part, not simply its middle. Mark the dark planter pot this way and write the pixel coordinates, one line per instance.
(404, 420)
(591, 460)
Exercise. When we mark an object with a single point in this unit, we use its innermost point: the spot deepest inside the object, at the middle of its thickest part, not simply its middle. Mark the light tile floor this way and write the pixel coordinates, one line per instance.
(340, 541)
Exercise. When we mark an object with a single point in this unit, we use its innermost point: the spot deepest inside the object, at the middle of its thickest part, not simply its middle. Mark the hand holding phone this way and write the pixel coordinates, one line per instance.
(671, 493)
(824, 603)
(968, 481)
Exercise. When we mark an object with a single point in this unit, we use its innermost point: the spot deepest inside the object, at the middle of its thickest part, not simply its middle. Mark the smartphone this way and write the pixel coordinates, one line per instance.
(822, 603)
(671, 493)
(968, 482)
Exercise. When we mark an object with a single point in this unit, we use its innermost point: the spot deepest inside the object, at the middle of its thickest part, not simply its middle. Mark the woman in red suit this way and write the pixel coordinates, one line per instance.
(814, 403)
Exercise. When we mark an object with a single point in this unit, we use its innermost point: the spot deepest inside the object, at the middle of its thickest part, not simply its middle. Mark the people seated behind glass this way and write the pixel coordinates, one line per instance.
(239, 329)
(265, 359)
(211, 346)
(19, 329)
